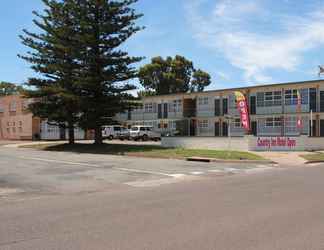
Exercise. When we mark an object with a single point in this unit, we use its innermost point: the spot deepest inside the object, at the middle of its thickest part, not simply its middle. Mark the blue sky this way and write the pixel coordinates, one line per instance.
(239, 42)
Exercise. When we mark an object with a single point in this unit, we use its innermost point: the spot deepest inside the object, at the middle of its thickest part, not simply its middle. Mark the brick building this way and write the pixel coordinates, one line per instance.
(18, 123)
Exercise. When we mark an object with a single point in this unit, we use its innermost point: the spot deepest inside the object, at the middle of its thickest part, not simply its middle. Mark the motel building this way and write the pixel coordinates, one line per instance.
(18, 123)
(285, 116)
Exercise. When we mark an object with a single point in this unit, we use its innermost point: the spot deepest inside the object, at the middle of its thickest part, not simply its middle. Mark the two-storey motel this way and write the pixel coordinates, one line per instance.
(273, 111)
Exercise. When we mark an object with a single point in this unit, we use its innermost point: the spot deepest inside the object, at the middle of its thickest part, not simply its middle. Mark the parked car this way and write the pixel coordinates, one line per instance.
(115, 132)
(124, 134)
(144, 133)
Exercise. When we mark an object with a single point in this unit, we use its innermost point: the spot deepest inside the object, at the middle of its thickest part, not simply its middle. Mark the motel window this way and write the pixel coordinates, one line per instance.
(237, 123)
(176, 106)
(291, 124)
(173, 125)
(260, 99)
(148, 107)
(291, 96)
(203, 126)
(273, 122)
(203, 100)
(13, 106)
(270, 98)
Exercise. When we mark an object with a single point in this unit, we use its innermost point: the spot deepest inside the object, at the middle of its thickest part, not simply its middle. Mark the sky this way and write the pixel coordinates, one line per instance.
(239, 42)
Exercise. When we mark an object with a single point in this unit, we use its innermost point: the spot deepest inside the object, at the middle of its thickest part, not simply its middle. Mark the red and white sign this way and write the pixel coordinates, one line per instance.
(277, 143)
(243, 109)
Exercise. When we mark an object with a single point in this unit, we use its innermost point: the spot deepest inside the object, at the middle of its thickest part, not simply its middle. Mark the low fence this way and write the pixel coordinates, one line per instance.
(200, 142)
(247, 143)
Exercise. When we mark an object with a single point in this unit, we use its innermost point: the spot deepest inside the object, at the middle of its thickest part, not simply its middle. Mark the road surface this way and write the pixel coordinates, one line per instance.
(275, 209)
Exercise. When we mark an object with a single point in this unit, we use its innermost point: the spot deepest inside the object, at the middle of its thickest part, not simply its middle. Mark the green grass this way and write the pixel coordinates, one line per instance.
(148, 151)
(313, 157)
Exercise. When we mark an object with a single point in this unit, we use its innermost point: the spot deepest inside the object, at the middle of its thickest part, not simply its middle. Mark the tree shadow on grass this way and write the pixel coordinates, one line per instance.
(115, 149)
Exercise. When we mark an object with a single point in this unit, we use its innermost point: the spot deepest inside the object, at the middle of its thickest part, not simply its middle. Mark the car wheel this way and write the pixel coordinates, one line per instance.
(145, 138)
(110, 137)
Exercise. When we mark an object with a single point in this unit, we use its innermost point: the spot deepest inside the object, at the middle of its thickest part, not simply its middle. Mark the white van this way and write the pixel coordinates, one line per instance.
(114, 132)
(144, 133)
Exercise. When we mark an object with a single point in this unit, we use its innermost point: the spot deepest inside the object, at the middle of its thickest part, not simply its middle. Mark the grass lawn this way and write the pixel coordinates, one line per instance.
(148, 151)
(313, 157)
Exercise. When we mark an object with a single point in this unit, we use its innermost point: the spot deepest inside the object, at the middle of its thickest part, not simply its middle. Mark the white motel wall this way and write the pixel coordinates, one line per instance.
(246, 143)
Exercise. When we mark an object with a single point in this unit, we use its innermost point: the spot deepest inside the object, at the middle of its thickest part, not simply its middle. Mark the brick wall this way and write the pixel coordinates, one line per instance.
(16, 122)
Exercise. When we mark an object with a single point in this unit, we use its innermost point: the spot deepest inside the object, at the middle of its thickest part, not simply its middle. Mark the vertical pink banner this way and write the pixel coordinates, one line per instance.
(243, 109)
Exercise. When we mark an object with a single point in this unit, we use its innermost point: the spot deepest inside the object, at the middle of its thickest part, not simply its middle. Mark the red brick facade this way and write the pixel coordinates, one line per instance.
(16, 122)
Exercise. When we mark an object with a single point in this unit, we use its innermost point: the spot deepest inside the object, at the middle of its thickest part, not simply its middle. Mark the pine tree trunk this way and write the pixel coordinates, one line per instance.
(98, 136)
(71, 134)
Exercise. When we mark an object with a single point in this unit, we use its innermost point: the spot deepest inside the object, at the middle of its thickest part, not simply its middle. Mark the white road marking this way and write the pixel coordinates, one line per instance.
(152, 183)
(197, 173)
(215, 171)
(56, 161)
(146, 172)
(177, 176)
(97, 166)
(259, 169)
(231, 169)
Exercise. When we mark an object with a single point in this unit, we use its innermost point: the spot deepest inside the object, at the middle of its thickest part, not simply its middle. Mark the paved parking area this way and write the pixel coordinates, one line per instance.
(28, 172)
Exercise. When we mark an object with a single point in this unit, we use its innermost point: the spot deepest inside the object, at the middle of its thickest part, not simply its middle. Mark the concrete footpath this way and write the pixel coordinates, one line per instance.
(285, 159)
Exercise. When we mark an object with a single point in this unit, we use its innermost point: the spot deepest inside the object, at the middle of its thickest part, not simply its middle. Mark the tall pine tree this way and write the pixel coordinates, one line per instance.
(53, 58)
(104, 26)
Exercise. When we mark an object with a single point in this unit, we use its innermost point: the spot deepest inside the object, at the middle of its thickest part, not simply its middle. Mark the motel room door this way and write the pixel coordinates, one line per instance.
(217, 129)
(225, 129)
(254, 128)
(193, 124)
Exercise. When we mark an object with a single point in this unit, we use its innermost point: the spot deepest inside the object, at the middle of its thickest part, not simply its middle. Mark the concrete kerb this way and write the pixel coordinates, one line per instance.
(18, 145)
(314, 162)
(203, 159)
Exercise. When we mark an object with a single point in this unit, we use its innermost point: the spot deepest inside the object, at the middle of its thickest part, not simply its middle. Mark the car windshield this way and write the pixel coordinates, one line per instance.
(134, 129)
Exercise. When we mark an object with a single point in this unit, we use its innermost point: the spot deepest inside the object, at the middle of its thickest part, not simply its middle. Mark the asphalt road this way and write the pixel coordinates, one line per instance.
(274, 209)
(25, 172)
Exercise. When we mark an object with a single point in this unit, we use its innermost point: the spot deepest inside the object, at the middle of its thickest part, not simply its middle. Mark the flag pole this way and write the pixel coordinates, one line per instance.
(311, 122)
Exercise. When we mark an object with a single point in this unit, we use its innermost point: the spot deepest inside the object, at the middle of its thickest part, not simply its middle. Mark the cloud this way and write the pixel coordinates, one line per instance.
(253, 38)
(223, 75)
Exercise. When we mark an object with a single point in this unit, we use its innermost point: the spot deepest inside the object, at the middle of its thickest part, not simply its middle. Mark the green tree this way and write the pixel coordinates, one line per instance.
(172, 75)
(53, 58)
(200, 80)
(7, 88)
(104, 26)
